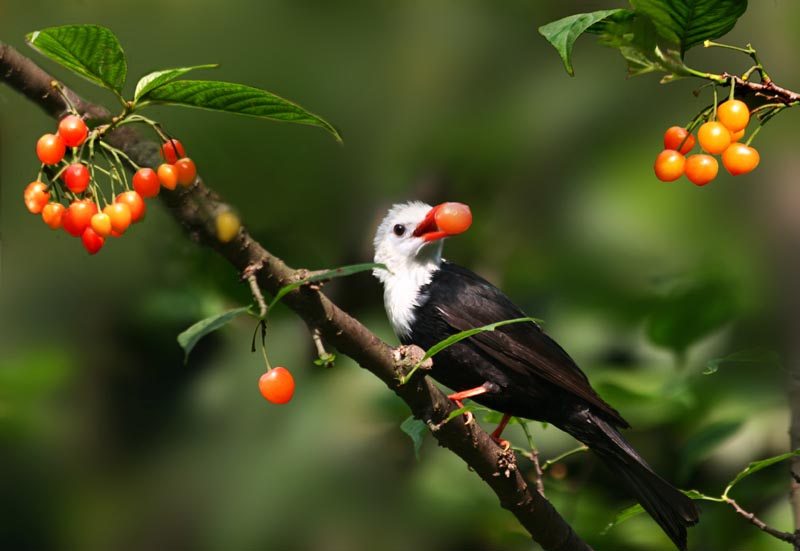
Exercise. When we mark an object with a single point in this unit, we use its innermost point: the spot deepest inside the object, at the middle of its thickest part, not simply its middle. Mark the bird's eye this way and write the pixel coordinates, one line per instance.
(399, 230)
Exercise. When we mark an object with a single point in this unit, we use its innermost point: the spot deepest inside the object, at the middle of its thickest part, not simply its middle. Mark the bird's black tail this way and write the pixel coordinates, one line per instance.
(670, 508)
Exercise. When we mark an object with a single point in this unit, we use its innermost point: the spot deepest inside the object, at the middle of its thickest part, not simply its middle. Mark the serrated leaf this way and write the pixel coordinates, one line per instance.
(322, 276)
(90, 51)
(563, 33)
(153, 80)
(190, 337)
(688, 23)
(236, 98)
(416, 430)
(756, 466)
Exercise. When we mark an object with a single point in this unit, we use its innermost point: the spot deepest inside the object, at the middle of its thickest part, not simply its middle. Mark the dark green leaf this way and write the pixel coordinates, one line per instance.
(622, 516)
(691, 312)
(563, 33)
(761, 356)
(91, 51)
(189, 338)
(453, 339)
(634, 35)
(155, 79)
(699, 445)
(322, 276)
(416, 430)
(688, 23)
(236, 98)
(756, 466)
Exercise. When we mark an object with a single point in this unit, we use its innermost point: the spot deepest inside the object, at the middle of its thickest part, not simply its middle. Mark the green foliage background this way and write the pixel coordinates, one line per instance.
(108, 441)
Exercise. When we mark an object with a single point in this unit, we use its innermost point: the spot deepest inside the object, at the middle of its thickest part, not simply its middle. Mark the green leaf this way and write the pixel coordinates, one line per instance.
(190, 337)
(90, 51)
(236, 98)
(764, 357)
(622, 516)
(636, 38)
(700, 444)
(328, 274)
(563, 33)
(155, 79)
(416, 430)
(633, 510)
(453, 339)
(756, 466)
(691, 312)
(688, 23)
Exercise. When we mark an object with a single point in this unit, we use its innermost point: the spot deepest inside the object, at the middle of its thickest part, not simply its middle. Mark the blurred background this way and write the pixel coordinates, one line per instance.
(108, 441)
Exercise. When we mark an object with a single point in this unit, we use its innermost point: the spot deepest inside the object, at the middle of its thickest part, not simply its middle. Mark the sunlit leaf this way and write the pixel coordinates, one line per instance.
(235, 98)
(190, 337)
(563, 33)
(90, 51)
(153, 80)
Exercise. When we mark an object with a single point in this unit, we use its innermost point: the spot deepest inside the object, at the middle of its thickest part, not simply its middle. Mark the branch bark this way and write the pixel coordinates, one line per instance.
(194, 209)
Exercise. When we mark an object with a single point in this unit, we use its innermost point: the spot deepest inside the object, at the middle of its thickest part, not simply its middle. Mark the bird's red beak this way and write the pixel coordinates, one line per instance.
(443, 221)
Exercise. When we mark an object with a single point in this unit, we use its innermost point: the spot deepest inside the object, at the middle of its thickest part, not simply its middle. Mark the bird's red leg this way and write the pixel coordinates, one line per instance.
(499, 430)
(463, 395)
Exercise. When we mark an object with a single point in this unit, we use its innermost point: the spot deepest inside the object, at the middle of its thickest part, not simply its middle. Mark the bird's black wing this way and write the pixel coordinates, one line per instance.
(524, 348)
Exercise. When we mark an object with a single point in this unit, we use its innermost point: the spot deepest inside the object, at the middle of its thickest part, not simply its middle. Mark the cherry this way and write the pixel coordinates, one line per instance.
(734, 114)
(101, 224)
(119, 215)
(36, 196)
(91, 241)
(277, 385)
(701, 168)
(172, 150)
(187, 171)
(740, 159)
(677, 135)
(50, 149)
(714, 137)
(78, 216)
(135, 202)
(145, 182)
(168, 175)
(73, 130)
(453, 218)
(52, 213)
(76, 177)
(669, 165)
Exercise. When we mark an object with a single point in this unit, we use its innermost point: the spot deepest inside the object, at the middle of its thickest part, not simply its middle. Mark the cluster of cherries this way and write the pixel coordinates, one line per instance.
(74, 201)
(716, 137)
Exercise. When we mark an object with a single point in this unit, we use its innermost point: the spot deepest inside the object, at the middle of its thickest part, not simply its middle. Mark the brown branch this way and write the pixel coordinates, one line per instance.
(767, 89)
(788, 537)
(193, 208)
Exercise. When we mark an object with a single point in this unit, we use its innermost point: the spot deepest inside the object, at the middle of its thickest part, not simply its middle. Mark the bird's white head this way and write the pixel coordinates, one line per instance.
(409, 243)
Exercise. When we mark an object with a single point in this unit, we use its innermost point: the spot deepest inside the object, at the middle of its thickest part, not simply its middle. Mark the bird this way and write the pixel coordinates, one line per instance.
(517, 369)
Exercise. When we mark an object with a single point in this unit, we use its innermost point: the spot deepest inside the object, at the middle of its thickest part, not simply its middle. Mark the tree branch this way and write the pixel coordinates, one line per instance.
(194, 207)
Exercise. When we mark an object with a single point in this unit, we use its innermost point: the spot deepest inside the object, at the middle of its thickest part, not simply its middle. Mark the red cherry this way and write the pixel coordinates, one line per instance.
(135, 202)
(76, 177)
(453, 218)
(172, 150)
(73, 130)
(50, 149)
(277, 385)
(145, 182)
(91, 241)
